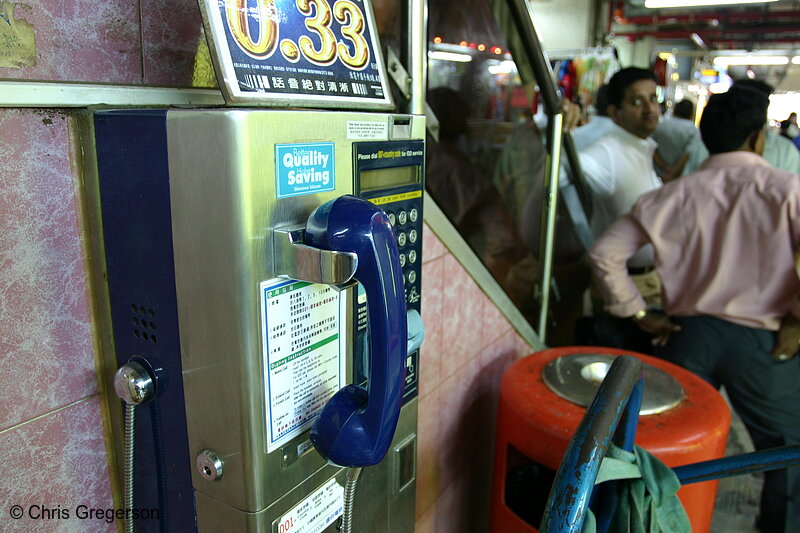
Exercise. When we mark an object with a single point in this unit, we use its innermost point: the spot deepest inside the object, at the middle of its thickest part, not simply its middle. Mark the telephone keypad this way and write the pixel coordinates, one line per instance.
(402, 203)
(407, 224)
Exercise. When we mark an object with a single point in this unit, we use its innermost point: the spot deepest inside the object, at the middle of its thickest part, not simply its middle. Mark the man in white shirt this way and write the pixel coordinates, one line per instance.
(618, 167)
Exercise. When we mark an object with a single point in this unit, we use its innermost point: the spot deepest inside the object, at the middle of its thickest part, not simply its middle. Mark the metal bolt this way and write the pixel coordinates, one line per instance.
(209, 465)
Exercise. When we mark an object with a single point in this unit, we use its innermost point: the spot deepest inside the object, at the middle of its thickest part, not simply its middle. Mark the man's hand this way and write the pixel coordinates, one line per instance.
(572, 115)
(788, 338)
(657, 324)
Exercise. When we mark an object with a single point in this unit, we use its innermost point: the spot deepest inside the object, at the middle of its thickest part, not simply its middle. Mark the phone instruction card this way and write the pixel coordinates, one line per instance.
(314, 514)
(304, 349)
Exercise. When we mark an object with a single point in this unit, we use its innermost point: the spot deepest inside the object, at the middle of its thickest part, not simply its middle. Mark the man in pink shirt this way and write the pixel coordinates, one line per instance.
(726, 240)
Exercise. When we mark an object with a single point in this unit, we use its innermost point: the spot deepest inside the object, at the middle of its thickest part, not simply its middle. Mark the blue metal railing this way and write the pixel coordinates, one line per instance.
(616, 405)
(569, 497)
(748, 463)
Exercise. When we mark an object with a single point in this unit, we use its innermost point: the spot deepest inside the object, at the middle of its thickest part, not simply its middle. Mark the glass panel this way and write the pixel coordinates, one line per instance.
(487, 169)
(490, 155)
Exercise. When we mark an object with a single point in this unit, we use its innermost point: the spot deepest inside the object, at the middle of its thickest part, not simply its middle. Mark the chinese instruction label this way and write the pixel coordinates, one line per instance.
(303, 347)
(367, 131)
(315, 513)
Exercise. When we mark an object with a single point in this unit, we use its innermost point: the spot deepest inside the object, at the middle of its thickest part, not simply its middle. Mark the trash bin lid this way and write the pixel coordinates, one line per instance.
(576, 377)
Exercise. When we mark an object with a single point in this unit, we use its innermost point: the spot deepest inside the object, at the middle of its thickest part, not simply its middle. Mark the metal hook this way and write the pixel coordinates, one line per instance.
(296, 260)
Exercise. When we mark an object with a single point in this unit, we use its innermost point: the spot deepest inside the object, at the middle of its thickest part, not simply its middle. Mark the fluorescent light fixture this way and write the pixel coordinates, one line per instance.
(750, 60)
(796, 60)
(504, 67)
(661, 4)
(720, 86)
(697, 40)
(450, 56)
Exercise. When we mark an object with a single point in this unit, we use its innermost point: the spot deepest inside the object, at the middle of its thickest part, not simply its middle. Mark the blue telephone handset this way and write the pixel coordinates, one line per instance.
(356, 426)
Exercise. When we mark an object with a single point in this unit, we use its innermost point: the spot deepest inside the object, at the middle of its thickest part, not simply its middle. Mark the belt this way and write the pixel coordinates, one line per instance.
(638, 271)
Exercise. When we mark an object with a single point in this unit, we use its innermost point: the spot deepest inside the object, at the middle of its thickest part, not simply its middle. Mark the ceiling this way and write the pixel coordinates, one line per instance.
(744, 27)
(706, 32)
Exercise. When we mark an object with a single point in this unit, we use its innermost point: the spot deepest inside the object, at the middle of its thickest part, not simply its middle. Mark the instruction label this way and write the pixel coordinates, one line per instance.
(367, 131)
(303, 354)
(322, 508)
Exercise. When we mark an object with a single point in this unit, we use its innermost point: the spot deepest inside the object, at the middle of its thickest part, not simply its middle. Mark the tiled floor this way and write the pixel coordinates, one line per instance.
(737, 497)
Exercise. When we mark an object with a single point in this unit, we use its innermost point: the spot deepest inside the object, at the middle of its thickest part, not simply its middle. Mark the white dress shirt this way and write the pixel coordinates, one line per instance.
(618, 169)
(589, 133)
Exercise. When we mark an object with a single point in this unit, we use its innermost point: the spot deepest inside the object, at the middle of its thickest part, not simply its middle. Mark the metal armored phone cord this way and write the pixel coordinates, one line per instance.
(134, 385)
(349, 496)
(127, 465)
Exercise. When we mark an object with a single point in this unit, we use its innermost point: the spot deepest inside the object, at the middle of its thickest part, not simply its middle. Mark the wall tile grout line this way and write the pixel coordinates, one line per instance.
(44, 415)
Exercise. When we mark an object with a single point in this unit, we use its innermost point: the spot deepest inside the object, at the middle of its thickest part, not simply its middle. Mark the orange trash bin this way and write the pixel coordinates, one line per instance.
(535, 424)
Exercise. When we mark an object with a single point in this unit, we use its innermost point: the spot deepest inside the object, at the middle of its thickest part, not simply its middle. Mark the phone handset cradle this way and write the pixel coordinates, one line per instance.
(294, 259)
(345, 238)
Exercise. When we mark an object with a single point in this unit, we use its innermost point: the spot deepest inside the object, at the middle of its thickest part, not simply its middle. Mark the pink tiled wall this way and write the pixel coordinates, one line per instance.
(468, 344)
(50, 410)
(51, 432)
(145, 42)
(170, 33)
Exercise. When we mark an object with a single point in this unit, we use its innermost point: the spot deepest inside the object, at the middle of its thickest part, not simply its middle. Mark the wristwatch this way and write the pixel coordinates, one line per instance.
(640, 314)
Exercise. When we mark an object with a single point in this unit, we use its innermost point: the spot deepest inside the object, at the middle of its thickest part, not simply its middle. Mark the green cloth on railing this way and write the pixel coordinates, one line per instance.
(647, 489)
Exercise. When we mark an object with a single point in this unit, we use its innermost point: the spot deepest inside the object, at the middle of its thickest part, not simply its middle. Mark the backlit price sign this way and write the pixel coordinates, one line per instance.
(320, 52)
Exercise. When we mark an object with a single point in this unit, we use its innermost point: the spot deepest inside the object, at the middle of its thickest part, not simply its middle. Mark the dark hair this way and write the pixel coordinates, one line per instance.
(758, 85)
(683, 109)
(731, 117)
(624, 79)
(601, 101)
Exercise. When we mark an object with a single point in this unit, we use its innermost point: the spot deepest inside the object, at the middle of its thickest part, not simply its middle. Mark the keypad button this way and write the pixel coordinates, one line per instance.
(413, 215)
(412, 257)
(392, 218)
(403, 258)
(412, 236)
(412, 276)
(401, 239)
(402, 217)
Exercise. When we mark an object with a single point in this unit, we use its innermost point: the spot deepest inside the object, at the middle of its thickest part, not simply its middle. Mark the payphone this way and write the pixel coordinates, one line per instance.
(230, 240)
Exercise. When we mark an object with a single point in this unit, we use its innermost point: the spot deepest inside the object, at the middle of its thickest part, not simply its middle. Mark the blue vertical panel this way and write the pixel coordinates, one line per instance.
(134, 197)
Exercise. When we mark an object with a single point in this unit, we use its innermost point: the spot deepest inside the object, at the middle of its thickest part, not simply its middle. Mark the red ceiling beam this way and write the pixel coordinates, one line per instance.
(781, 40)
(750, 16)
(702, 32)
